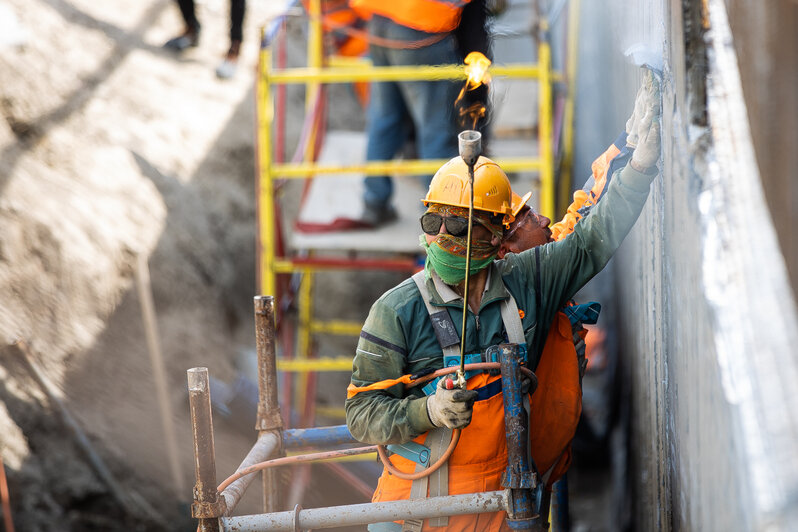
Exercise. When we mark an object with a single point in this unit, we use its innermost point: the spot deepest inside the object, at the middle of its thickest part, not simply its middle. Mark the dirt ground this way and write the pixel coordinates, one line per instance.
(114, 150)
(111, 148)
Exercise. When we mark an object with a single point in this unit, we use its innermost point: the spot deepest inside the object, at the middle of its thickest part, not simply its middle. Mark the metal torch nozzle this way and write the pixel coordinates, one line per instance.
(470, 145)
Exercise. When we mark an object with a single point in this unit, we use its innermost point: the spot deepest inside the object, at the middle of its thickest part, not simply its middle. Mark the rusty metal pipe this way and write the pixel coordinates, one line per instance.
(207, 506)
(268, 405)
(271, 493)
(263, 449)
(268, 417)
(361, 514)
(518, 476)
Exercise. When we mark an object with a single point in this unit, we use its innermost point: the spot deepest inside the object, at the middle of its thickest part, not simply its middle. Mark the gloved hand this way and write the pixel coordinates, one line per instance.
(528, 384)
(450, 408)
(637, 114)
(647, 126)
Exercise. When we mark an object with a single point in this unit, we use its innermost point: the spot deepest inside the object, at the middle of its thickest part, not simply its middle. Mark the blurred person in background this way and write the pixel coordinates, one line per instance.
(191, 34)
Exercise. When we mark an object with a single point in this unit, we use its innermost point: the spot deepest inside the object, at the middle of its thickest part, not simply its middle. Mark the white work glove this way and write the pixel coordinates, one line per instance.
(450, 408)
(637, 114)
(646, 124)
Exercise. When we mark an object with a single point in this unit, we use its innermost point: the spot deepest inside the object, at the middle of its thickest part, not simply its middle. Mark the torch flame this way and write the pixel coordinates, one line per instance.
(476, 68)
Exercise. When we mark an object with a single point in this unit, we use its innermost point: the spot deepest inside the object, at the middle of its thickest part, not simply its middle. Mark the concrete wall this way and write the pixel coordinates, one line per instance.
(704, 303)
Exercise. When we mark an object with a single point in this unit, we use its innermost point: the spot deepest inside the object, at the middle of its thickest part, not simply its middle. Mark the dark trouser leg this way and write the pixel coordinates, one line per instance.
(189, 16)
(237, 10)
(387, 123)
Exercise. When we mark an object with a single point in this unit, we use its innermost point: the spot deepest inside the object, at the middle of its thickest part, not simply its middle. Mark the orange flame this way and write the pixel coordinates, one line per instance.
(476, 68)
(475, 111)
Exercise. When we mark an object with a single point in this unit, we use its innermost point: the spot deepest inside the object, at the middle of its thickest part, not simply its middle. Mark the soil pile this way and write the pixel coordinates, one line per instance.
(111, 149)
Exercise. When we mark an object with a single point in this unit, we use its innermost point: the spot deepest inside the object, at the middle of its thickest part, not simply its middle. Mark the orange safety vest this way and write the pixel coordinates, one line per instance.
(556, 405)
(480, 458)
(338, 15)
(432, 16)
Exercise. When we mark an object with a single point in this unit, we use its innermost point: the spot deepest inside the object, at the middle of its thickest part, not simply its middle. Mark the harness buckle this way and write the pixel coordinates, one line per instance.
(412, 525)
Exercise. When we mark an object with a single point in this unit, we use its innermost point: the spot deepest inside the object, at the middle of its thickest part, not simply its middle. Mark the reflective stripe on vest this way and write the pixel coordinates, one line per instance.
(432, 16)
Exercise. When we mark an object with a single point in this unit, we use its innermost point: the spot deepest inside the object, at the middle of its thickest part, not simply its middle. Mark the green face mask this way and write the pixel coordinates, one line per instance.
(451, 267)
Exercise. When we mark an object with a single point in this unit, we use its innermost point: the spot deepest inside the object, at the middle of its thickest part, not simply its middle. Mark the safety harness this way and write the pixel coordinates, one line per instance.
(437, 439)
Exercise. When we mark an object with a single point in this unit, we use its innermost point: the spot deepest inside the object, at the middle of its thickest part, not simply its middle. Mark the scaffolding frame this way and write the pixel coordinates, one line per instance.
(272, 263)
(213, 506)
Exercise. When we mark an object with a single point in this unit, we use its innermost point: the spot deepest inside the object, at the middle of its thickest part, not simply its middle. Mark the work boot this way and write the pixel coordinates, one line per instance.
(227, 68)
(377, 215)
(189, 39)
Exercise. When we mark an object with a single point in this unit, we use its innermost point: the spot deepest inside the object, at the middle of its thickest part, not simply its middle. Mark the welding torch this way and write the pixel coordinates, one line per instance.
(470, 145)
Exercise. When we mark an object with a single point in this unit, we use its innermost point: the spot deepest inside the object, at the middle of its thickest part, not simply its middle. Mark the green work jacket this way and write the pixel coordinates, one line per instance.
(398, 338)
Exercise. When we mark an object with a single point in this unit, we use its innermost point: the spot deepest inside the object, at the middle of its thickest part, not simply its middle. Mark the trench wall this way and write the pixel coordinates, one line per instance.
(705, 310)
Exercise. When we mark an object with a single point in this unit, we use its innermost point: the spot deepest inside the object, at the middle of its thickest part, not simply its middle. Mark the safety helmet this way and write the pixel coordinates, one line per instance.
(519, 202)
(492, 191)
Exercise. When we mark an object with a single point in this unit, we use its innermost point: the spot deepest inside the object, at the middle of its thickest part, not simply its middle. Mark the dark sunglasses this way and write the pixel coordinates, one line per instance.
(455, 225)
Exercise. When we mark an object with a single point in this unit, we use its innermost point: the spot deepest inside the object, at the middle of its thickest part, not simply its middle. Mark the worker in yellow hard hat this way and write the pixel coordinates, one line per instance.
(446, 221)
(415, 327)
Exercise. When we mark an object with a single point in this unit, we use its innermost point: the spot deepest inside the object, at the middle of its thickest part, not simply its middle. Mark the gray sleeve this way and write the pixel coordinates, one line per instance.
(383, 416)
(567, 265)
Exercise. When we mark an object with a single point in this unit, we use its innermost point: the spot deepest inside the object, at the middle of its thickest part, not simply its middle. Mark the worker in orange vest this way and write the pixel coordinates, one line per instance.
(515, 299)
(408, 32)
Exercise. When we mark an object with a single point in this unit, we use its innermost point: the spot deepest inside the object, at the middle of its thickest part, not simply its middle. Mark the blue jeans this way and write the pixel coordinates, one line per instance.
(398, 107)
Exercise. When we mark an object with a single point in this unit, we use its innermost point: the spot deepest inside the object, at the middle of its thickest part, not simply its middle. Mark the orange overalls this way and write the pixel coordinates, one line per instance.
(480, 458)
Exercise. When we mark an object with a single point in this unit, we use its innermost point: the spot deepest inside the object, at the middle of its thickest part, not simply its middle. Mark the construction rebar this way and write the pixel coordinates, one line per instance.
(208, 505)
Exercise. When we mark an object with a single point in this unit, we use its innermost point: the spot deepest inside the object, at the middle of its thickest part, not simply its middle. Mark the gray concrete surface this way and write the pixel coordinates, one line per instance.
(706, 312)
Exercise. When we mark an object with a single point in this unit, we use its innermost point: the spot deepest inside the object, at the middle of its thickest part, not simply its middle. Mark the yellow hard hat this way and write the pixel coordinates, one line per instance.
(492, 191)
(519, 202)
